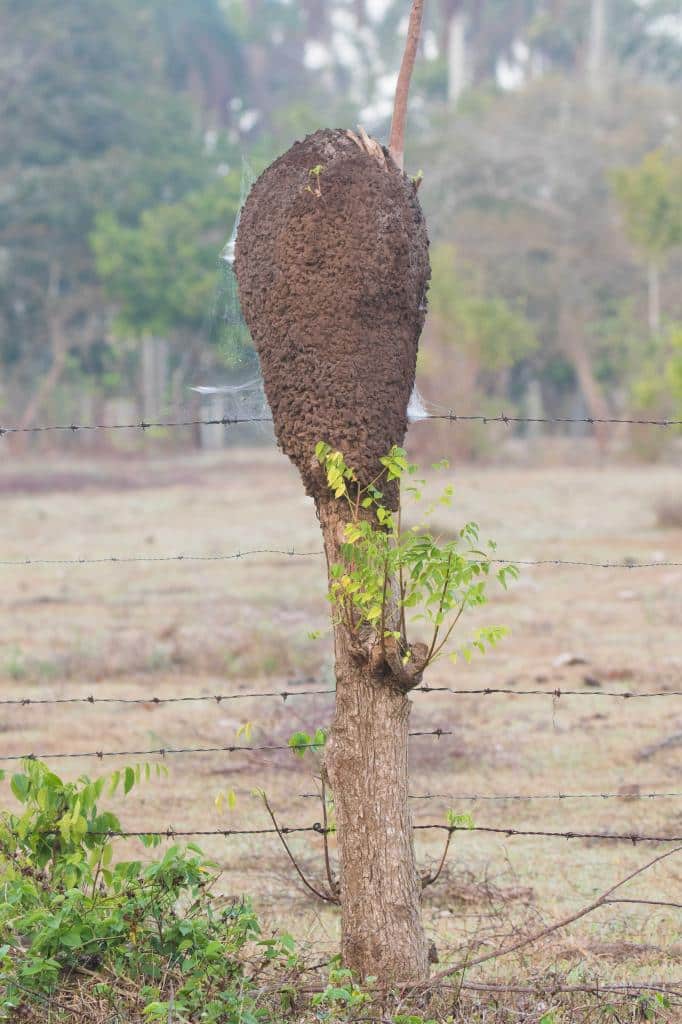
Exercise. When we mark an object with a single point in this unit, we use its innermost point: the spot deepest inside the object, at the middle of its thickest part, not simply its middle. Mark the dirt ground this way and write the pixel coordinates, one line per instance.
(192, 628)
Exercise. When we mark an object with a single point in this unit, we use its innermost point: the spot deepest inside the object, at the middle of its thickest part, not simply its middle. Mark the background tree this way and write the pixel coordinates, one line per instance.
(650, 199)
(129, 108)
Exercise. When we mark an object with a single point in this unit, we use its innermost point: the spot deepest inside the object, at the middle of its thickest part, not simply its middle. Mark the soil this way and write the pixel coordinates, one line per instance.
(333, 289)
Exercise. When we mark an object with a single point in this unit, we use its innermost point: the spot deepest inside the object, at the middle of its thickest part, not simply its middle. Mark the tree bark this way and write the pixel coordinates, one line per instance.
(396, 144)
(366, 764)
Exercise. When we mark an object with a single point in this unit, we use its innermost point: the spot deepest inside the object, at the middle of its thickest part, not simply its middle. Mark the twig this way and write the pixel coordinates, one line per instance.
(649, 903)
(430, 879)
(396, 144)
(327, 864)
(528, 940)
(313, 890)
(439, 614)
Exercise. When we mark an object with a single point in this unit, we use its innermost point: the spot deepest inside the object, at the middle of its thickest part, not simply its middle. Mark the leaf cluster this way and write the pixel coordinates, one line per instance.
(387, 572)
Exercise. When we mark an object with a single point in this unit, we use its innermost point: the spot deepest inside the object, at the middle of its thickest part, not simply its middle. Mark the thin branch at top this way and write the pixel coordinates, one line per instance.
(396, 144)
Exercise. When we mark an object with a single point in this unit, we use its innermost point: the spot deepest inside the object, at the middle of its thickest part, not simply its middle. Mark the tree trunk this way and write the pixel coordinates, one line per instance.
(654, 297)
(366, 764)
(573, 343)
(457, 55)
(596, 54)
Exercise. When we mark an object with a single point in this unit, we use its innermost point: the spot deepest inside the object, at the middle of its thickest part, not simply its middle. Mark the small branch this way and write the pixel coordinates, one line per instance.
(430, 879)
(383, 610)
(599, 902)
(445, 639)
(649, 903)
(327, 863)
(402, 625)
(396, 144)
(439, 613)
(313, 890)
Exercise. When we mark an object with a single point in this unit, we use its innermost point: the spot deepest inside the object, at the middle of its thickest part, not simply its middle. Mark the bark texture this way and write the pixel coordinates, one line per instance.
(366, 763)
(333, 289)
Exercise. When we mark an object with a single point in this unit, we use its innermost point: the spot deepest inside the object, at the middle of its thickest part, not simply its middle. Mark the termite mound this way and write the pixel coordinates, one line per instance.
(332, 266)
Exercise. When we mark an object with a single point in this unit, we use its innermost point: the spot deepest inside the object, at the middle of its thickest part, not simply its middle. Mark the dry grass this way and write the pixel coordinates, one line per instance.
(203, 628)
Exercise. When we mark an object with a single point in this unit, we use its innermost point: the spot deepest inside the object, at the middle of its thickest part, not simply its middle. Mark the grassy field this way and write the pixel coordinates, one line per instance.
(160, 629)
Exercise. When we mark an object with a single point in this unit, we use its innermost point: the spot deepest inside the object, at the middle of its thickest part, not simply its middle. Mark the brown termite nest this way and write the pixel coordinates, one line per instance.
(332, 265)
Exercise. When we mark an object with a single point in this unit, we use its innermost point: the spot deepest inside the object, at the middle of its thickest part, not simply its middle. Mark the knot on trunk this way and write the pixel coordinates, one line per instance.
(407, 670)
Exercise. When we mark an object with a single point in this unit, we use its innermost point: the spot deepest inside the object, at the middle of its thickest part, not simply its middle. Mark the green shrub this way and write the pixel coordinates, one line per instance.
(69, 911)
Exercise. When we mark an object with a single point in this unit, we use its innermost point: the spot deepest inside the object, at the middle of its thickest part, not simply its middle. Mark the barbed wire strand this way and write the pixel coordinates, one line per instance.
(174, 833)
(169, 751)
(448, 416)
(628, 797)
(555, 693)
(626, 563)
(218, 698)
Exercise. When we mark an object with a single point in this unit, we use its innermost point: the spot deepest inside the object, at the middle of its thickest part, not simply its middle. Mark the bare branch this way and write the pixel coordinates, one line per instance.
(430, 879)
(396, 144)
(313, 890)
(327, 862)
(528, 940)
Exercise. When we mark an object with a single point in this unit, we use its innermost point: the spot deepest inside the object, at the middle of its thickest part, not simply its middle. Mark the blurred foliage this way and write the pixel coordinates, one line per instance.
(161, 272)
(485, 326)
(122, 132)
(650, 196)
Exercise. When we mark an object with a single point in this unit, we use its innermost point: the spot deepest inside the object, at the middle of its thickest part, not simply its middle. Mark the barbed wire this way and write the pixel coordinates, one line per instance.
(218, 698)
(143, 425)
(626, 563)
(632, 837)
(126, 559)
(448, 416)
(174, 833)
(169, 751)
(524, 797)
(555, 693)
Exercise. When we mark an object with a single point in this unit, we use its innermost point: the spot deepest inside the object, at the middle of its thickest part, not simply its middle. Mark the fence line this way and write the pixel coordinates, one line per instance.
(219, 698)
(319, 829)
(167, 751)
(556, 693)
(626, 563)
(228, 421)
(522, 797)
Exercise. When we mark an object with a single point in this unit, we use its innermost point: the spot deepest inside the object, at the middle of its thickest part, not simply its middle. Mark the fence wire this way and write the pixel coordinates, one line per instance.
(218, 698)
(629, 797)
(625, 563)
(318, 828)
(449, 416)
(169, 751)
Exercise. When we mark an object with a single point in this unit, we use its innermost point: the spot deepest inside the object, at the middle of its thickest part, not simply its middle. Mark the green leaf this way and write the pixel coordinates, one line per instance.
(299, 743)
(20, 786)
(128, 779)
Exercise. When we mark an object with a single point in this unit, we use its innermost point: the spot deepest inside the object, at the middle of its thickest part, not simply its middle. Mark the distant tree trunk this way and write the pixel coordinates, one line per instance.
(59, 315)
(317, 19)
(154, 374)
(654, 297)
(366, 764)
(596, 54)
(453, 46)
(360, 9)
(572, 339)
